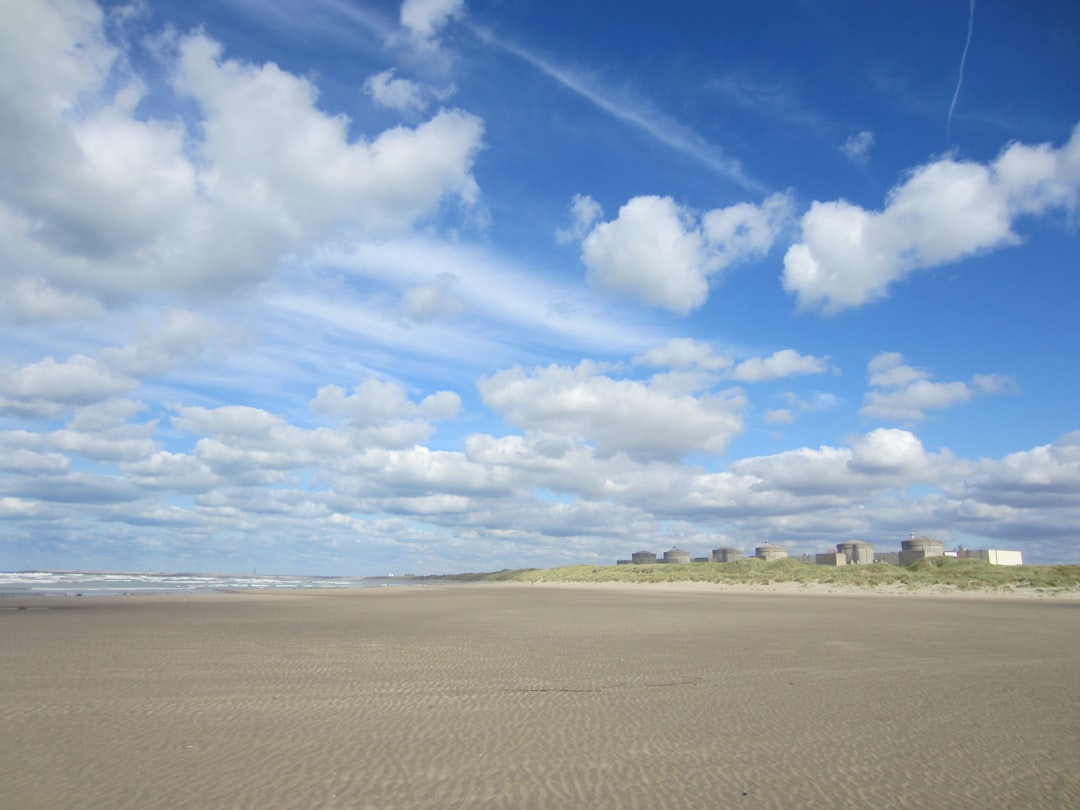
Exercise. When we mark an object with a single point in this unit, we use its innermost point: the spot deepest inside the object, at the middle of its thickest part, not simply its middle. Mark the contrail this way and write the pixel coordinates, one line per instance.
(656, 125)
(960, 78)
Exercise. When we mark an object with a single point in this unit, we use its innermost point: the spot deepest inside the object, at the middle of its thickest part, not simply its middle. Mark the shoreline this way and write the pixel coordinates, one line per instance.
(688, 586)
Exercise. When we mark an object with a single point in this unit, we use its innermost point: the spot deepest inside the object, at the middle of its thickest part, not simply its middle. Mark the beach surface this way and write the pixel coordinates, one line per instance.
(539, 697)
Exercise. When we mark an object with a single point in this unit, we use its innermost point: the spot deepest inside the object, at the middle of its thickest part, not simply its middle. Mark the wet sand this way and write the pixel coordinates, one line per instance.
(546, 697)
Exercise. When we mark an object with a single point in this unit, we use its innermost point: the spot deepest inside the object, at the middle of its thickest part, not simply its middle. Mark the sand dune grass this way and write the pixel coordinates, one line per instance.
(941, 572)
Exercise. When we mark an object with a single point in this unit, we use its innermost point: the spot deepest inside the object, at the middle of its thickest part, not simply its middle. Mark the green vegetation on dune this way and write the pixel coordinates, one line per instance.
(946, 572)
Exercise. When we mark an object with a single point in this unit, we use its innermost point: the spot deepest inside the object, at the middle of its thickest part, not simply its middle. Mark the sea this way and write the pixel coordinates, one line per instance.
(84, 583)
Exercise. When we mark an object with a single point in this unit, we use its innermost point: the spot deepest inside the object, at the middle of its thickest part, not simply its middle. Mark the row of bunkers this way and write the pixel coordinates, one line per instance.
(853, 552)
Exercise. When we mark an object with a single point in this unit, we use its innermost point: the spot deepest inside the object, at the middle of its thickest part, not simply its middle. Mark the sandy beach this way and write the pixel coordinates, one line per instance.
(539, 697)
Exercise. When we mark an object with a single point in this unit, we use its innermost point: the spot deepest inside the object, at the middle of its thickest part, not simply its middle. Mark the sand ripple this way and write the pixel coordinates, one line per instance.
(530, 698)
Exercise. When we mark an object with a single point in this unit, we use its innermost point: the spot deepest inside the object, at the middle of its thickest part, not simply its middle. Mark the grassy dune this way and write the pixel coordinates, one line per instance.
(945, 572)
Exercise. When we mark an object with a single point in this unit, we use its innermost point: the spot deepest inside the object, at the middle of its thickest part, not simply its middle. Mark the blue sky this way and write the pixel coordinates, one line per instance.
(358, 287)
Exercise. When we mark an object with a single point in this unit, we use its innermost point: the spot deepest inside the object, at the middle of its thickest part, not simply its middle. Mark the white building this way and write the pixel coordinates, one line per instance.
(994, 556)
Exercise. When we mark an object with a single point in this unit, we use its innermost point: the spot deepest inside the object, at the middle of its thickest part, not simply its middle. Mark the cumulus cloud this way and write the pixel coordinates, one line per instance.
(684, 353)
(888, 451)
(374, 402)
(1048, 475)
(663, 254)
(24, 453)
(905, 393)
(176, 472)
(415, 472)
(382, 412)
(837, 478)
(942, 212)
(619, 415)
(112, 440)
(687, 354)
(264, 128)
(51, 387)
(403, 95)
(101, 203)
(784, 363)
(251, 446)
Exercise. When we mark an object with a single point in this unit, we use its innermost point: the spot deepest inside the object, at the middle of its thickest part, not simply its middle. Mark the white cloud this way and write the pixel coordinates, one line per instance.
(22, 452)
(250, 446)
(383, 413)
(50, 388)
(746, 231)
(178, 472)
(620, 416)
(31, 299)
(1045, 476)
(857, 147)
(659, 252)
(403, 95)
(101, 203)
(779, 482)
(829, 480)
(942, 212)
(397, 94)
(265, 132)
(425, 18)
(364, 480)
(904, 393)
(689, 354)
(684, 353)
(784, 363)
(888, 451)
(120, 442)
(653, 252)
(584, 211)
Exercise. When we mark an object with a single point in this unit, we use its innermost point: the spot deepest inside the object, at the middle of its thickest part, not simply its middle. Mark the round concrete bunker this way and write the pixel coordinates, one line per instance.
(769, 552)
(676, 556)
(920, 548)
